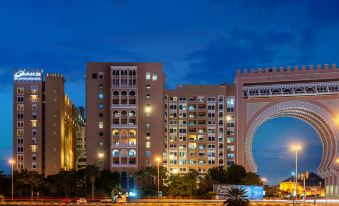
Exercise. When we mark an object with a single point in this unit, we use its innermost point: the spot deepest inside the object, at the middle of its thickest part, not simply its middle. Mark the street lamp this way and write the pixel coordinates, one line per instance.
(296, 148)
(11, 161)
(158, 161)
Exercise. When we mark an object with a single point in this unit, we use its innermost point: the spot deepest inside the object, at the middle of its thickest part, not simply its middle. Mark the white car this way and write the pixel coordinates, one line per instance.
(81, 201)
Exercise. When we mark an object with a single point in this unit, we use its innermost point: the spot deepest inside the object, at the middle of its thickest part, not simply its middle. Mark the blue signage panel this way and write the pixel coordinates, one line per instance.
(252, 192)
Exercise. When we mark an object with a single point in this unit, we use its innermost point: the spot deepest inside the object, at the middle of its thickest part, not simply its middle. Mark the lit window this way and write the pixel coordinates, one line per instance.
(101, 106)
(20, 107)
(20, 90)
(148, 75)
(154, 77)
(148, 153)
(20, 132)
(148, 109)
(101, 125)
(148, 144)
(34, 123)
(34, 98)
(34, 148)
(101, 96)
(148, 96)
(148, 87)
(148, 125)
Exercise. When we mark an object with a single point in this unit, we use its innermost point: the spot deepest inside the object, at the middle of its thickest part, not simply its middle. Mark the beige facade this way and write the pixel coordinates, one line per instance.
(199, 128)
(124, 104)
(44, 123)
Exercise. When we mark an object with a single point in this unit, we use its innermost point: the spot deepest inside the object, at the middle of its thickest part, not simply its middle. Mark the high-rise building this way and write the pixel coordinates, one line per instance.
(124, 110)
(44, 123)
(199, 127)
(80, 142)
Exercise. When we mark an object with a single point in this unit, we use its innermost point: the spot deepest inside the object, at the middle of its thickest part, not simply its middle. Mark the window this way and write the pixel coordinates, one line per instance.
(148, 75)
(154, 77)
(33, 140)
(20, 90)
(101, 86)
(101, 96)
(148, 125)
(34, 107)
(20, 157)
(34, 148)
(101, 75)
(101, 114)
(34, 165)
(148, 144)
(20, 140)
(34, 132)
(34, 98)
(148, 87)
(20, 124)
(20, 107)
(20, 99)
(94, 75)
(34, 123)
(34, 115)
(101, 106)
(101, 125)
(33, 157)
(148, 96)
(20, 149)
(20, 132)
(230, 139)
(34, 88)
(148, 153)
(20, 116)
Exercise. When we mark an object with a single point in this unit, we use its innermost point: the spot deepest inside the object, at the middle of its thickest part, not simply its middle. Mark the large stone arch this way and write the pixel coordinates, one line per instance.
(314, 114)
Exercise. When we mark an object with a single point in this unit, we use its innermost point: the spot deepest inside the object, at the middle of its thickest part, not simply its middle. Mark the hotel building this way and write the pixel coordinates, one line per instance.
(44, 123)
(199, 127)
(124, 110)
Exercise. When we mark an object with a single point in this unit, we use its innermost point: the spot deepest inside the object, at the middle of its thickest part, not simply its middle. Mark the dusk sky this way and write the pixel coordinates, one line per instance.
(200, 42)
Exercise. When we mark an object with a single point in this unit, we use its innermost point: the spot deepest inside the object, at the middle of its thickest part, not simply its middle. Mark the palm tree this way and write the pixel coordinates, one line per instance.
(236, 197)
(92, 172)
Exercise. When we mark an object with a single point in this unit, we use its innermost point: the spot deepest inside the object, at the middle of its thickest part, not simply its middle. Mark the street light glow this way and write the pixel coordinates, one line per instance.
(101, 155)
(158, 159)
(11, 161)
(296, 147)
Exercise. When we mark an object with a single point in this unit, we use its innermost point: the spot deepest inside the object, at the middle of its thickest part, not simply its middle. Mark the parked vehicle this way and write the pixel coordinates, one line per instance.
(81, 201)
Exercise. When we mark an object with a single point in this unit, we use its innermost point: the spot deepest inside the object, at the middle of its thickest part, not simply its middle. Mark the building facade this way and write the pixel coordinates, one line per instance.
(199, 128)
(80, 142)
(44, 123)
(124, 104)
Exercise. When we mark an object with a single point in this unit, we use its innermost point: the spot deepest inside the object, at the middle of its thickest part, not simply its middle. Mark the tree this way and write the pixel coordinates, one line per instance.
(217, 174)
(234, 174)
(65, 182)
(146, 179)
(107, 181)
(251, 179)
(92, 172)
(236, 197)
(185, 185)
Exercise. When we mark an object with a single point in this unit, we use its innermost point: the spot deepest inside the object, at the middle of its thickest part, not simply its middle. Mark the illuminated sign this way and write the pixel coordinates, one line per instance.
(24, 75)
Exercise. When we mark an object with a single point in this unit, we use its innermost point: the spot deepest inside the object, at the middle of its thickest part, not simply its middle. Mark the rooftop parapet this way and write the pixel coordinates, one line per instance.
(287, 70)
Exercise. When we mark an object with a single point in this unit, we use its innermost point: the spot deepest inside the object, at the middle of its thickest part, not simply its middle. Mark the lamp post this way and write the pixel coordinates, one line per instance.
(296, 148)
(11, 161)
(158, 161)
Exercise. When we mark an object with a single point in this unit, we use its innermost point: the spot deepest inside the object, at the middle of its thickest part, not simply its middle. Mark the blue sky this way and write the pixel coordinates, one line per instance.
(198, 41)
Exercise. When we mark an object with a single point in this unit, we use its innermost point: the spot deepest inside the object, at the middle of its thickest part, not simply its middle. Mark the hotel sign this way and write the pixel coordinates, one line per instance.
(24, 75)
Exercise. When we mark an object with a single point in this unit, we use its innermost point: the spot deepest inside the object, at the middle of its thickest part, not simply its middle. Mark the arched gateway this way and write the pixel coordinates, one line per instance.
(310, 94)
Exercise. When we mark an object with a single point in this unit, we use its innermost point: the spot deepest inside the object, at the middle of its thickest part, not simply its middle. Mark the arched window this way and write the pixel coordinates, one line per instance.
(115, 97)
(132, 153)
(115, 153)
(123, 153)
(132, 97)
(123, 116)
(115, 132)
(132, 133)
(123, 97)
(116, 116)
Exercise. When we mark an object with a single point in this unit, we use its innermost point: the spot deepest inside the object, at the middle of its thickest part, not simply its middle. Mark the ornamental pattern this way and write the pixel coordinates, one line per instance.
(313, 114)
(297, 89)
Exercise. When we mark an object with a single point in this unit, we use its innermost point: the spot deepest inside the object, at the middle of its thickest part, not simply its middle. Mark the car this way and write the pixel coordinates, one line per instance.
(106, 200)
(81, 201)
